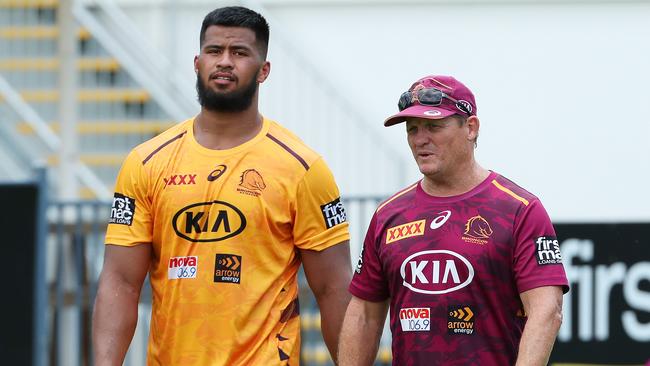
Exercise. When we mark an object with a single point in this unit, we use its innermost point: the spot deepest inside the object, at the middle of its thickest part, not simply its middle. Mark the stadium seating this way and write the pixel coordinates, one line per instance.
(115, 113)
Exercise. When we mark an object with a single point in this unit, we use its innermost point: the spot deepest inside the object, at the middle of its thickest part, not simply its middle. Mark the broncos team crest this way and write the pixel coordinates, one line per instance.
(477, 230)
(251, 183)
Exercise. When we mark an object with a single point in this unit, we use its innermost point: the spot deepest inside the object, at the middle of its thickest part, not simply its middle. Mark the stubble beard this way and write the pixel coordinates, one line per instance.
(235, 101)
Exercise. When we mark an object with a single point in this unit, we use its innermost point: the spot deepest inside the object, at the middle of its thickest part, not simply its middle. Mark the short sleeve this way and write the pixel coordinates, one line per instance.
(537, 257)
(319, 216)
(369, 282)
(130, 221)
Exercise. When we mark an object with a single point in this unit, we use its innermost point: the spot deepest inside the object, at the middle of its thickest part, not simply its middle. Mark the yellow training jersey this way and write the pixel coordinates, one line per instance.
(225, 227)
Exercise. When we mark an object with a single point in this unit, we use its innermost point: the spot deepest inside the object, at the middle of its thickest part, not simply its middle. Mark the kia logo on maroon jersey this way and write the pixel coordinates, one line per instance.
(436, 272)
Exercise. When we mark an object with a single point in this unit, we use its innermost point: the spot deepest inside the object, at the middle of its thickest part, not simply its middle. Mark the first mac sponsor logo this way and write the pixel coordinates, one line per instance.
(547, 250)
(123, 210)
(333, 213)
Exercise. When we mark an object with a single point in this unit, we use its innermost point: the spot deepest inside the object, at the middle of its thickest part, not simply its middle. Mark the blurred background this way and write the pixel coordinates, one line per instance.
(561, 88)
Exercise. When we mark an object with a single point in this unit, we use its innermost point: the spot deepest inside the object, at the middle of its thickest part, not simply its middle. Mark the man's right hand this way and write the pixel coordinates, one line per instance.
(362, 328)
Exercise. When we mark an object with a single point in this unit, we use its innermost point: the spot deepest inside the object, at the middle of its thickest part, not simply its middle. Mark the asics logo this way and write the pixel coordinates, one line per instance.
(440, 220)
(215, 174)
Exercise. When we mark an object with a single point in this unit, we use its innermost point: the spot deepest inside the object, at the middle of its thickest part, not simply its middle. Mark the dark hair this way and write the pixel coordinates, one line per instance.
(238, 16)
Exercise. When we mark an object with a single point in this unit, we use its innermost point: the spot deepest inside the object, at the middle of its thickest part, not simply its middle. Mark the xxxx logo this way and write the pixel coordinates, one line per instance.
(180, 180)
(465, 314)
(413, 228)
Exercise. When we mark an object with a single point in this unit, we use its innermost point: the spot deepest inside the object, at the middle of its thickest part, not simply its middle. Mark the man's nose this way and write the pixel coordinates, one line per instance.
(225, 61)
(421, 137)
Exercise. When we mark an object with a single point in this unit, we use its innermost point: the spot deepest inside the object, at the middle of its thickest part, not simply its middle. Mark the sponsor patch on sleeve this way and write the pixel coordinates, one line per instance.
(123, 210)
(360, 261)
(333, 213)
(547, 250)
(182, 267)
(415, 319)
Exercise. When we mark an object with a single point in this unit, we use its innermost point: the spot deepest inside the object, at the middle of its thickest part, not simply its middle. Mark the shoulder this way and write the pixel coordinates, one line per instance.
(153, 147)
(290, 146)
(398, 200)
(509, 190)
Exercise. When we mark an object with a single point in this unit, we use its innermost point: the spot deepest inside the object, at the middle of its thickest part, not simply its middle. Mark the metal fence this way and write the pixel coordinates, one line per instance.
(74, 256)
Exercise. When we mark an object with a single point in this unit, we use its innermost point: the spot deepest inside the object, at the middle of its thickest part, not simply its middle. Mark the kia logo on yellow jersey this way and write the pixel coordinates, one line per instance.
(208, 222)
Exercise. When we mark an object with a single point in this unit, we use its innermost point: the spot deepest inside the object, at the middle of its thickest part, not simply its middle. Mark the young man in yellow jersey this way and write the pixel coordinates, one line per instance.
(221, 210)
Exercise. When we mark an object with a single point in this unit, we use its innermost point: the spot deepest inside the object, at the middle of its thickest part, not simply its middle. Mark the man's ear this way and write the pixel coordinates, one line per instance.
(264, 72)
(473, 126)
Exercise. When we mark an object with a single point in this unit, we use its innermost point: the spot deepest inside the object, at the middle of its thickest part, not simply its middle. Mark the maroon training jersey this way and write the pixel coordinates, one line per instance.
(453, 268)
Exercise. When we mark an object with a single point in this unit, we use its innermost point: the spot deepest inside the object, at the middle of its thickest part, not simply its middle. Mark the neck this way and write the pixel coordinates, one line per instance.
(219, 131)
(452, 184)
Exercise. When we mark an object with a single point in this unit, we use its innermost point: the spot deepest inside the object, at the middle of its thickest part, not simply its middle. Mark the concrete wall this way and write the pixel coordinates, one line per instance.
(561, 86)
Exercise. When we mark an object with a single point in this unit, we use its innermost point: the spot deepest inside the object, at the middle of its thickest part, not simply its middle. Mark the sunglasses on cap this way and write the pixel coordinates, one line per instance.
(428, 96)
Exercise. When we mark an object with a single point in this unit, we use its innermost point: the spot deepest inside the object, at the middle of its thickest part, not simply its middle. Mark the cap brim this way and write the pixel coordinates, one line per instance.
(418, 111)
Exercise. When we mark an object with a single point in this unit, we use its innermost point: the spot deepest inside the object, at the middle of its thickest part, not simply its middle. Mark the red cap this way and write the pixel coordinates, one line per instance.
(447, 84)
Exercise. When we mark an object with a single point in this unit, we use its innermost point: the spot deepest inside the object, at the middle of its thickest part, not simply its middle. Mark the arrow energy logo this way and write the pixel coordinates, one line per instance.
(227, 268)
(460, 320)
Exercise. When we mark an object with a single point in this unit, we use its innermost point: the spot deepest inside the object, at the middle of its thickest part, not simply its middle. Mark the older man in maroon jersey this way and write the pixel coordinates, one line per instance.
(467, 260)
